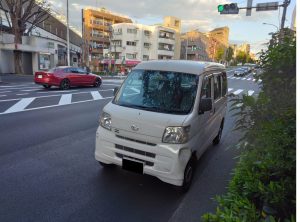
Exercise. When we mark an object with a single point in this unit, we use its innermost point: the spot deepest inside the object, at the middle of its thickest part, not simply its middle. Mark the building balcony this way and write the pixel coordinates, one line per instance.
(99, 27)
(100, 39)
(166, 41)
(165, 52)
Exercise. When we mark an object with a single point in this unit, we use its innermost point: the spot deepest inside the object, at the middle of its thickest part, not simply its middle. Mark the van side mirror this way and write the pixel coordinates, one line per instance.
(116, 89)
(205, 105)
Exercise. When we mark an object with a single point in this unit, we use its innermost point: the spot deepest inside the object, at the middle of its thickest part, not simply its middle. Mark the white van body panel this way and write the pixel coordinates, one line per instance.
(137, 134)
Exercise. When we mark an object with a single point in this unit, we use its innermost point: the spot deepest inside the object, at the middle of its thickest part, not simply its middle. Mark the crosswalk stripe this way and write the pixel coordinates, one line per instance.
(65, 99)
(233, 78)
(253, 80)
(243, 78)
(5, 92)
(238, 77)
(249, 79)
(20, 106)
(238, 91)
(250, 92)
(230, 89)
(96, 95)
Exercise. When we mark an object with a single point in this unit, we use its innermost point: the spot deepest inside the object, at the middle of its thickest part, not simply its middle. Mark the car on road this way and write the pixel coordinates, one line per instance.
(65, 77)
(163, 118)
(239, 72)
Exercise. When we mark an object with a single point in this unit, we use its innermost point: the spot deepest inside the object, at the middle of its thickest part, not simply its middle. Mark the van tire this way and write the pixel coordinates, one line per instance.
(189, 172)
(217, 139)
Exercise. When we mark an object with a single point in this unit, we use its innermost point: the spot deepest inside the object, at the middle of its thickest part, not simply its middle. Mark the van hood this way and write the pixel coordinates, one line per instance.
(141, 123)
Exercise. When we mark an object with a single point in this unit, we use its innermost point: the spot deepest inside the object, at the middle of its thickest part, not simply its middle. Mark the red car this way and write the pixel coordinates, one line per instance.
(64, 77)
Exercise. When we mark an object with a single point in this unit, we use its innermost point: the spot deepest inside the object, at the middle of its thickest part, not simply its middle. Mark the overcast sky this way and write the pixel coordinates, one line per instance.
(194, 14)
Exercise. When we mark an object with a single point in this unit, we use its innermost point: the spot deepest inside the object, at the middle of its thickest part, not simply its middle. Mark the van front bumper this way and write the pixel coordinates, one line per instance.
(165, 161)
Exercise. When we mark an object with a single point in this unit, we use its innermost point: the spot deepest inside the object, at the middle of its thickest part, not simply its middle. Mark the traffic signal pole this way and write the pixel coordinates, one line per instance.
(285, 5)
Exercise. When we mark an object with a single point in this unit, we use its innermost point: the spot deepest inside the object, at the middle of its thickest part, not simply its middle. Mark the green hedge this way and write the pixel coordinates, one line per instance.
(263, 187)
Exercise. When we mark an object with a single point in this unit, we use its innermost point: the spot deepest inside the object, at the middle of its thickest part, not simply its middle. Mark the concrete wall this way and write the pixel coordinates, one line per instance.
(6, 61)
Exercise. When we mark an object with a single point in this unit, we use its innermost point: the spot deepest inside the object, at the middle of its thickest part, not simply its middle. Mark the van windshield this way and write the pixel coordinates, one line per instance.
(158, 91)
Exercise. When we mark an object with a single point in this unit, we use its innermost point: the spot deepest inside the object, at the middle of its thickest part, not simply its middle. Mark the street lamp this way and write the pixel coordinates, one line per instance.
(264, 23)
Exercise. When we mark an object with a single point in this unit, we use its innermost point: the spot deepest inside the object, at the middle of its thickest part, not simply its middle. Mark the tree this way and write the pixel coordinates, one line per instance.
(241, 57)
(229, 54)
(220, 54)
(25, 15)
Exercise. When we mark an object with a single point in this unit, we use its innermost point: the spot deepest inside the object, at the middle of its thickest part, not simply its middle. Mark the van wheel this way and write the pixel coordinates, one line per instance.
(188, 174)
(217, 139)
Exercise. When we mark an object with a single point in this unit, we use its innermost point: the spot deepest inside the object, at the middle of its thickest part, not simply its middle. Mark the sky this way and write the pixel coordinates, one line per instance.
(194, 14)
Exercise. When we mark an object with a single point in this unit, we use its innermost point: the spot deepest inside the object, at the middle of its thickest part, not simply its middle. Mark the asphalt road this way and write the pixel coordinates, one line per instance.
(48, 171)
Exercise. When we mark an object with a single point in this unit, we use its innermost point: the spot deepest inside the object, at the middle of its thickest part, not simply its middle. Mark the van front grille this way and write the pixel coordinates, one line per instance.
(148, 163)
(140, 152)
(137, 141)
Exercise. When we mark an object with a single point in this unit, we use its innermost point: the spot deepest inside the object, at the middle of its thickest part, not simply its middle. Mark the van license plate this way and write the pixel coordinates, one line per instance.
(40, 76)
(133, 166)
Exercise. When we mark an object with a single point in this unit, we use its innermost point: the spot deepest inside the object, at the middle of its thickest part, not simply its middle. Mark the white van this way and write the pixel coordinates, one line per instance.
(162, 118)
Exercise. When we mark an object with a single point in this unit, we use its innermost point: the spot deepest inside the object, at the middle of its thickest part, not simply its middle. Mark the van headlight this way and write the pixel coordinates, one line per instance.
(105, 121)
(176, 135)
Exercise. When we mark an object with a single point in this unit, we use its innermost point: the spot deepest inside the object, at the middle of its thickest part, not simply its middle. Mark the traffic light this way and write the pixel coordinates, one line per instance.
(228, 8)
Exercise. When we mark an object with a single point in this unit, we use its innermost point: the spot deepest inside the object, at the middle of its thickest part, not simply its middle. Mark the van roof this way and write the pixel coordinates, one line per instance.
(185, 66)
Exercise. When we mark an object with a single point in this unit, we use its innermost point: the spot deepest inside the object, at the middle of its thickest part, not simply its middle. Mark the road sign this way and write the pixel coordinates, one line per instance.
(268, 6)
(228, 9)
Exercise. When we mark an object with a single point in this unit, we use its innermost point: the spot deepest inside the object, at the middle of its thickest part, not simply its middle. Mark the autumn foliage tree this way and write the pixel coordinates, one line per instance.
(25, 15)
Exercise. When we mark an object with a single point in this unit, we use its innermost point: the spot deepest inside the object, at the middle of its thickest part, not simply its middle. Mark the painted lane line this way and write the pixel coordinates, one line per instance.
(5, 92)
(21, 88)
(233, 78)
(238, 91)
(249, 79)
(20, 106)
(65, 99)
(243, 78)
(44, 107)
(238, 77)
(250, 92)
(28, 90)
(96, 95)
(230, 89)
(2, 95)
(22, 94)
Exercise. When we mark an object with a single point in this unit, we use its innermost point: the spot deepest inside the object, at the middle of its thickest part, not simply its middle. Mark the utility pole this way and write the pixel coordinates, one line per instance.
(186, 48)
(68, 35)
(285, 5)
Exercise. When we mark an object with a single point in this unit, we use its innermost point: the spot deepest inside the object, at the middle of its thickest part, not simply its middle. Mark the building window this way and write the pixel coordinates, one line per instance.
(166, 35)
(117, 43)
(131, 43)
(164, 57)
(132, 31)
(147, 33)
(145, 57)
(147, 45)
(130, 56)
(167, 47)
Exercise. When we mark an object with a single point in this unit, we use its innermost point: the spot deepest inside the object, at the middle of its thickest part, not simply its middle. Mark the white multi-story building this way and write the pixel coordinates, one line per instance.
(132, 43)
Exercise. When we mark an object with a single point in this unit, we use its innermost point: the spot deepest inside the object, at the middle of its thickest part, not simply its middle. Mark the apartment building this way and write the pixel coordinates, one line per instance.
(194, 46)
(97, 28)
(133, 43)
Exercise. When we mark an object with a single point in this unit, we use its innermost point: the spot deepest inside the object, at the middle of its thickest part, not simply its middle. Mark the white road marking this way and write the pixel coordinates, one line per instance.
(233, 78)
(238, 77)
(96, 95)
(22, 94)
(2, 95)
(230, 89)
(259, 80)
(20, 106)
(65, 99)
(20, 88)
(111, 85)
(249, 79)
(44, 107)
(28, 90)
(253, 80)
(5, 91)
(238, 91)
(243, 78)
(239, 104)
(250, 92)
(59, 91)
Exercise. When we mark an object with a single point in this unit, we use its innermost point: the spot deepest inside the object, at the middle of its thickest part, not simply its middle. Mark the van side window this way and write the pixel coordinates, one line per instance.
(206, 88)
(224, 84)
(217, 87)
